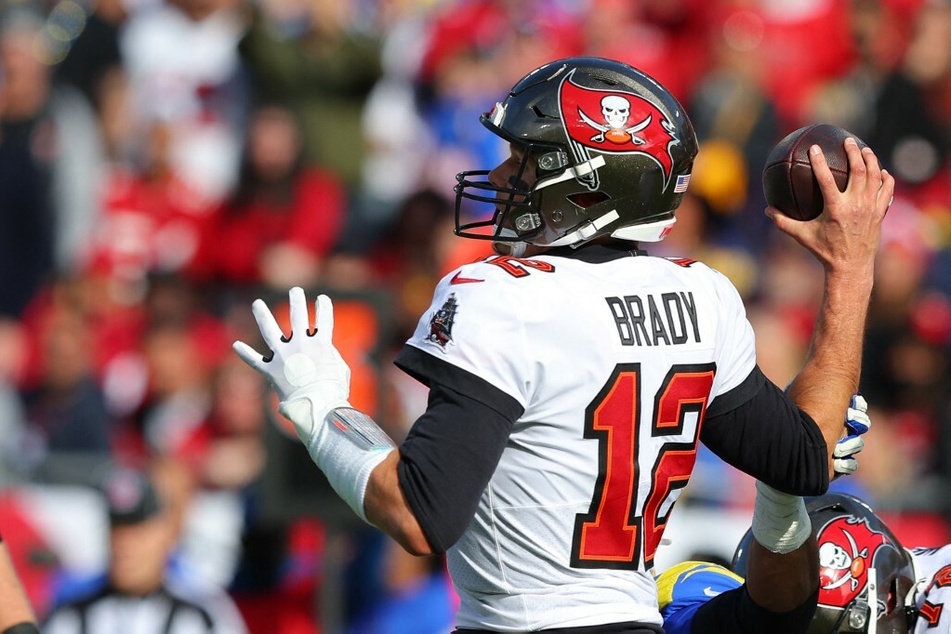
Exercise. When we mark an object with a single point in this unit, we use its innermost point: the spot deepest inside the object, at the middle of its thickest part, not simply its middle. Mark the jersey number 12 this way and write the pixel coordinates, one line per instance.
(618, 525)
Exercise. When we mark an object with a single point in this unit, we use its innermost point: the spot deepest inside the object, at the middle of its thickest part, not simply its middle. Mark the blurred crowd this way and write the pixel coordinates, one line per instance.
(165, 162)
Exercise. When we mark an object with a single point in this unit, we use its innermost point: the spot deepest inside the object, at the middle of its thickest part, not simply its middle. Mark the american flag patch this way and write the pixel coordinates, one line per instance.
(682, 182)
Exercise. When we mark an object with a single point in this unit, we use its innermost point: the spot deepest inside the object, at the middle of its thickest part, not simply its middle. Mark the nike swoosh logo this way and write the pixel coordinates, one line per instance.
(458, 279)
(710, 592)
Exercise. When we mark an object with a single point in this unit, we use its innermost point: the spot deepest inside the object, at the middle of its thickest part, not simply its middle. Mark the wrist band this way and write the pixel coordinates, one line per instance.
(780, 521)
(346, 445)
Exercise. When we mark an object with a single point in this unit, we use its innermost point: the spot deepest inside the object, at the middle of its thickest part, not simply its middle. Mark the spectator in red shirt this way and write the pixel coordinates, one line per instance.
(284, 217)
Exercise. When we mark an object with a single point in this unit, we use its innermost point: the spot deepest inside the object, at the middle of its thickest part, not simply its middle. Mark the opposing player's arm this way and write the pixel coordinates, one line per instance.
(844, 239)
(779, 558)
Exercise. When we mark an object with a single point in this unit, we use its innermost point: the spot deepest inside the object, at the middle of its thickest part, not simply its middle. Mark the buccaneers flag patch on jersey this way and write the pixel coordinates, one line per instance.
(615, 121)
(440, 326)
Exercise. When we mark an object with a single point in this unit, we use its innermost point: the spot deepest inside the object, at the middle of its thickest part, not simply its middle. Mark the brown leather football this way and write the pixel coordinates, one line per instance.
(788, 181)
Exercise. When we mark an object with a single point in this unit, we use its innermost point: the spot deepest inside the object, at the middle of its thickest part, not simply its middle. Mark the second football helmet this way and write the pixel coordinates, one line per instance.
(612, 150)
(866, 578)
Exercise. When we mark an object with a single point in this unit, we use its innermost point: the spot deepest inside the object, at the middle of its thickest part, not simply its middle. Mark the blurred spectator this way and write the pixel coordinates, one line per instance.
(278, 584)
(396, 592)
(64, 404)
(153, 218)
(178, 399)
(664, 38)
(27, 218)
(181, 345)
(467, 61)
(283, 218)
(87, 57)
(730, 104)
(316, 57)
(227, 451)
(185, 78)
(399, 144)
(45, 143)
(912, 131)
(139, 592)
(878, 31)
(808, 41)
(737, 124)
(907, 369)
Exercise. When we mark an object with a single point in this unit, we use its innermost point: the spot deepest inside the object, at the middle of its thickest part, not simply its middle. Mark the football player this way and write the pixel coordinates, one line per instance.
(572, 375)
(781, 565)
(867, 581)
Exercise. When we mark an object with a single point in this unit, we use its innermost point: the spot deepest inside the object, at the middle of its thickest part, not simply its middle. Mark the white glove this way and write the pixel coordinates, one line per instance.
(857, 423)
(305, 369)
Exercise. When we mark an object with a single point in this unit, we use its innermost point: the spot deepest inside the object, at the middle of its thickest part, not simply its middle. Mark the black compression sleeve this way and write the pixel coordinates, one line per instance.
(734, 612)
(22, 628)
(764, 434)
(446, 461)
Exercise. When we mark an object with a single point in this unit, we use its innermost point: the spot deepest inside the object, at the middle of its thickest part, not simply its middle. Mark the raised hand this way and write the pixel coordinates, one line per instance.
(304, 368)
(845, 237)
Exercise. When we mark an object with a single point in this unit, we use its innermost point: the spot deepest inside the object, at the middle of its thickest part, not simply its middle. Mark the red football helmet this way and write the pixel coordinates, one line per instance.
(613, 150)
(866, 578)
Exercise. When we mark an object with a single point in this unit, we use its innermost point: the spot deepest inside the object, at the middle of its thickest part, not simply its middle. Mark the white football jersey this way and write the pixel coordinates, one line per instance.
(933, 568)
(614, 364)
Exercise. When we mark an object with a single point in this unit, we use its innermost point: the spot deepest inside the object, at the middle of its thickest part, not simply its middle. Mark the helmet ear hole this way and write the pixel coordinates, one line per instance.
(587, 199)
(892, 601)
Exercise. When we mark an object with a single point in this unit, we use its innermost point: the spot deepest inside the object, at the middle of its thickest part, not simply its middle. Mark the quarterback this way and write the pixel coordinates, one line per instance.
(572, 375)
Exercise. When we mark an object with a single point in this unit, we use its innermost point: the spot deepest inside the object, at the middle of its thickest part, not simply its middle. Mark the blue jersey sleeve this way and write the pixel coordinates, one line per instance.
(686, 587)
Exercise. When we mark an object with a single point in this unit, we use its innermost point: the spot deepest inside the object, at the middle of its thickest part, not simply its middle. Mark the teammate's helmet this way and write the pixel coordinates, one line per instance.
(613, 151)
(866, 577)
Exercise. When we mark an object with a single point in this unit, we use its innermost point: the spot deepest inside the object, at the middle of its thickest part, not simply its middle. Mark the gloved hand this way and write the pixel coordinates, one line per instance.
(857, 423)
(304, 368)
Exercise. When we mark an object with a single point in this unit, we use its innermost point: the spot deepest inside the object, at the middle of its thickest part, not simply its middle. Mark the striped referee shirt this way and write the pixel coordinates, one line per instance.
(169, 610)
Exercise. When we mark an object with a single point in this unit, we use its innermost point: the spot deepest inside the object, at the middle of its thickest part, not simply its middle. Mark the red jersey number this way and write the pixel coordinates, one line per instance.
(931, 612)
(618, 525)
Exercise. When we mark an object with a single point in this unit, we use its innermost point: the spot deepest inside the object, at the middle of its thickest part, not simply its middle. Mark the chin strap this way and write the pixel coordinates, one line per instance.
(647, 232)
(586, 231)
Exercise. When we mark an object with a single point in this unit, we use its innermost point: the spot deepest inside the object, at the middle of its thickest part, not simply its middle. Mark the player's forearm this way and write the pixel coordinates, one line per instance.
(831, 373)
(360, 462)
(386, 508)
(783, 582)
(782, 574)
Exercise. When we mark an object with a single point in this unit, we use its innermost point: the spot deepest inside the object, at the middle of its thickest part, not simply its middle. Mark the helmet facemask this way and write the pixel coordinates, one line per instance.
(879, 610)
(515, 218)
(539, 213)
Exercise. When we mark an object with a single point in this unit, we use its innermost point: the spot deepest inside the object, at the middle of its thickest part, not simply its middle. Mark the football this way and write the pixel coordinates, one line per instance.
(788, 181)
